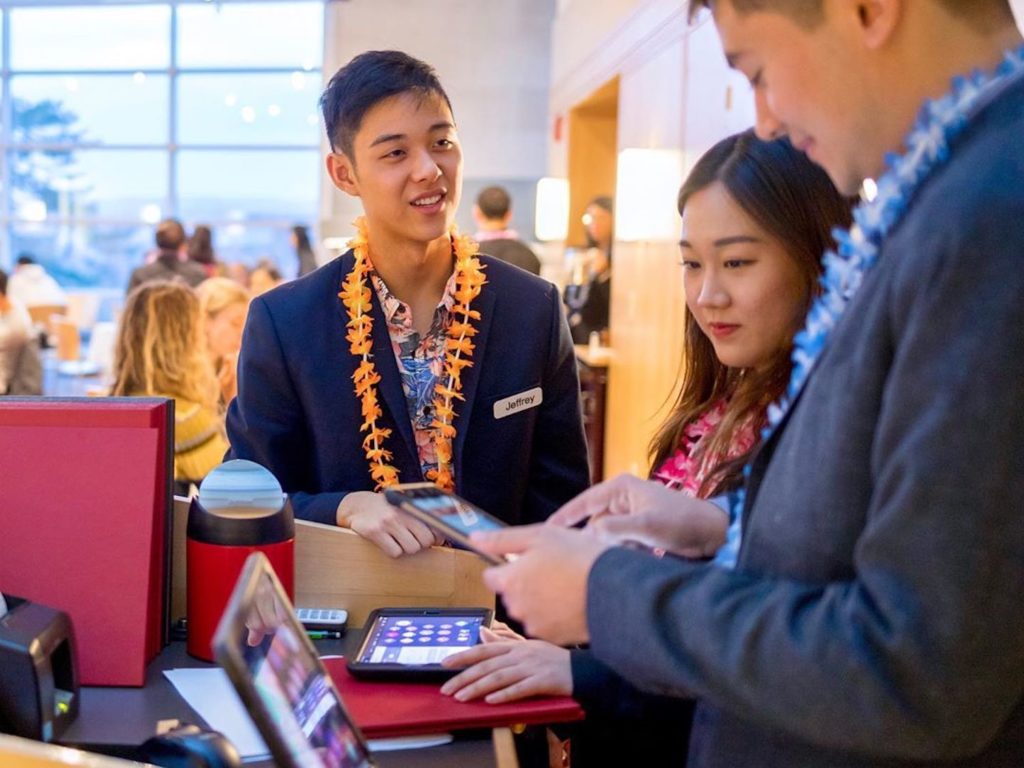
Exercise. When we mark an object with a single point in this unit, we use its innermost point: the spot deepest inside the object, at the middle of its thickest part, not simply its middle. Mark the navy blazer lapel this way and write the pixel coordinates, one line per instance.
(484, 304)
(390, 386)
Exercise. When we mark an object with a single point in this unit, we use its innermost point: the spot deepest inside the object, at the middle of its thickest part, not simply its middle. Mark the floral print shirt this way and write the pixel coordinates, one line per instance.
(420, 360)
(682, 471)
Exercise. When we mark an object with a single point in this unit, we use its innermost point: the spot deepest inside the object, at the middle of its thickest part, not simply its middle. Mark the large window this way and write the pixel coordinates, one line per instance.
(118, 114)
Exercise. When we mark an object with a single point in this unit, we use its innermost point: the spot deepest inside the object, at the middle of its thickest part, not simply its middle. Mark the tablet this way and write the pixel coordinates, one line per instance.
(280, 678)
(451, 516)
(410, 643)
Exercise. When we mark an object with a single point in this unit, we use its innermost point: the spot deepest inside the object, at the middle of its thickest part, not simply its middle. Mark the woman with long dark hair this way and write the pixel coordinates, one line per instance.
(757, 217)
(303, 250)
(588, 297)
(764, 217)
(200, 249)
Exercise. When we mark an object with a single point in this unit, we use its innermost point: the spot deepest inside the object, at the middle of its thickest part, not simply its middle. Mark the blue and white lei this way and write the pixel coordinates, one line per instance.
(939, 123)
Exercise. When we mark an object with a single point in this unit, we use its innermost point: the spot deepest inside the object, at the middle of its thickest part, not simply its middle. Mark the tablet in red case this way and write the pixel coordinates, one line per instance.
(386, 709)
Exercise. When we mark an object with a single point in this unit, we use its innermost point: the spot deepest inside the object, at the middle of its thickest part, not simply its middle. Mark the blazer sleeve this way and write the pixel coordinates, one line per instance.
(559, 468)
(920, 655)
(266, 422)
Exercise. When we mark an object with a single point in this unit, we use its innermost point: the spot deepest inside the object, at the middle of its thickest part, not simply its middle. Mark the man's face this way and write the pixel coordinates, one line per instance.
(808, 84)
(406, 167)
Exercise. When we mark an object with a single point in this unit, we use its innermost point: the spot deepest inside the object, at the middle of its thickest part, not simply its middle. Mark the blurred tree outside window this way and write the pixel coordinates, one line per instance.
(112, 128)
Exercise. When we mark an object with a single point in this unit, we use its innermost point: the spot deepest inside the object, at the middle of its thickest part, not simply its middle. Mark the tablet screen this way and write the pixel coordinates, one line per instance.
(294, 688)
(419, 640)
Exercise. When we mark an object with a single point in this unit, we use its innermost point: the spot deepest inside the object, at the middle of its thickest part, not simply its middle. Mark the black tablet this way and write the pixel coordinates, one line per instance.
(451, 516)
(410, 643)
(281, 679)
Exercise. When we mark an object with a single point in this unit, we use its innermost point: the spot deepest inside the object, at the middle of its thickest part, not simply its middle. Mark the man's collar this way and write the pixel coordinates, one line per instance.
(391, 305)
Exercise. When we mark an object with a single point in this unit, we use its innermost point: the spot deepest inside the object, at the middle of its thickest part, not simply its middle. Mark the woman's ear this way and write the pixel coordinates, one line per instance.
(342, 171)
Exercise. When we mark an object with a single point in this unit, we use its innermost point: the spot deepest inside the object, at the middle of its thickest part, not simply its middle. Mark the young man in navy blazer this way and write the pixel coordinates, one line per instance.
(510, 439)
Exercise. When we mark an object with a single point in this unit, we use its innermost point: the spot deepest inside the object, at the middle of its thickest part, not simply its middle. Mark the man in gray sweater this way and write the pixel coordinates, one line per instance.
(872, 613)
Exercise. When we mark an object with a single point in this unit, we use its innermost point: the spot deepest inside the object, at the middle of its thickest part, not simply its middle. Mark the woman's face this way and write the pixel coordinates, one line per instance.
(742, 286)
(224, 330)
(598, 223)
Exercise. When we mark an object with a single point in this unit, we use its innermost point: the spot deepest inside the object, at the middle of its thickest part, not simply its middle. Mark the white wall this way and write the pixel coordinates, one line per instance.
(493, 59)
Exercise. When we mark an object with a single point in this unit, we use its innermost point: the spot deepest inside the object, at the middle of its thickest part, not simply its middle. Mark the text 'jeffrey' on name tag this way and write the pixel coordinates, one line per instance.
(531, 398)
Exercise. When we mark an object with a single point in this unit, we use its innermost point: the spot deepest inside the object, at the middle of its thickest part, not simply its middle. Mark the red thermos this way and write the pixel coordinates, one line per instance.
(225, 526)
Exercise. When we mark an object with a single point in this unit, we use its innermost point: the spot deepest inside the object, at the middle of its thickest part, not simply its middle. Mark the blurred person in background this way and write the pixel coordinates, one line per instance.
(31, 286)
(200, 249)
(161, 352)
(237, 271)
(16, 341)
(171, 262)
(265, 277)
(224, 304)
(493, 214)
(303, 250)
(588, 295)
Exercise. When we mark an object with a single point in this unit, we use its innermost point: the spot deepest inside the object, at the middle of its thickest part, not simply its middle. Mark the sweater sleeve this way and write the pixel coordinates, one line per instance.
(199, 442)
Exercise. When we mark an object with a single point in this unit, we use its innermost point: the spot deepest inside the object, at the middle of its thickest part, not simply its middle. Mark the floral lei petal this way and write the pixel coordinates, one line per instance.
(458, 348)
(927, 147)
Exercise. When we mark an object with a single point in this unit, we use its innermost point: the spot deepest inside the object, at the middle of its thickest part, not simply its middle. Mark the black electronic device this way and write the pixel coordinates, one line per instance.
(333, 620)
(411, 643)
(189, 746)
(450, 515)
(38, 671)
(280, 678)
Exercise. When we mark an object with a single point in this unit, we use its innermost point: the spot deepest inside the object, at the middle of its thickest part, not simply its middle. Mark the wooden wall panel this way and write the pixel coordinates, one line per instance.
(593, 150)
(646, 338)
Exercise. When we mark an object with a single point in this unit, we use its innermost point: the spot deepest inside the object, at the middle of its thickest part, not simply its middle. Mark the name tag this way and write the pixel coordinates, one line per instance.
(531, 398)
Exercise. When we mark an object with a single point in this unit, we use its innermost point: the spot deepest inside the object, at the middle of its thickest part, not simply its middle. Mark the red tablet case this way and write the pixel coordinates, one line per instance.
(83, 522)
(386, 709)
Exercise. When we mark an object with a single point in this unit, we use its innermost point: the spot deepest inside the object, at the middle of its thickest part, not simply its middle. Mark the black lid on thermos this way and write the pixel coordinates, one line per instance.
(240, 504)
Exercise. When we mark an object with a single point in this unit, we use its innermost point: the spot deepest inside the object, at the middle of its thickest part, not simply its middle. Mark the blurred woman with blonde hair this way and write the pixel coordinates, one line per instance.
(161, 351)
(224, 304)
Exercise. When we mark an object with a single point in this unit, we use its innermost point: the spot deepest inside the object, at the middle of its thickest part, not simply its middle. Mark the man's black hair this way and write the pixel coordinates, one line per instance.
(25, 258)
(494, 202)
(367, 80)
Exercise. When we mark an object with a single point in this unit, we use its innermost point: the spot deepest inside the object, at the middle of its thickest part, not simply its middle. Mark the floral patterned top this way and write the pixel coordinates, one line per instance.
(682, 471)
(420, 360)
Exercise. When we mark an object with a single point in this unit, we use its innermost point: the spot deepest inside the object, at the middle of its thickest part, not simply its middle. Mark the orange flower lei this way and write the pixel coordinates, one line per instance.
(458, 348)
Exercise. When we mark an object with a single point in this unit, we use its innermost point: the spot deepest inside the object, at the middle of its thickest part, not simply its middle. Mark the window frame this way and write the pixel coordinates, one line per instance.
(171, 148)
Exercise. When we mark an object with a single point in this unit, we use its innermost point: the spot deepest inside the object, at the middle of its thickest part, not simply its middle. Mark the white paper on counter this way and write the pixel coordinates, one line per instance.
(210, 693)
